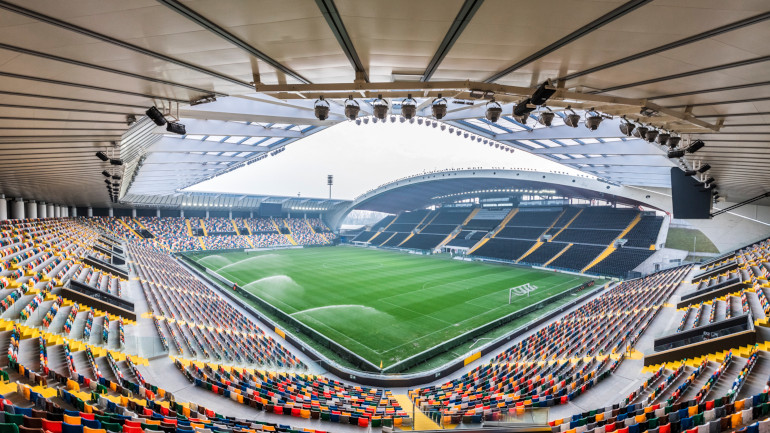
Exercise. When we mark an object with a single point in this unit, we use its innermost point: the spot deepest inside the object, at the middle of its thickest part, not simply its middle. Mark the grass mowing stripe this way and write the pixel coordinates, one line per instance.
(383, 305)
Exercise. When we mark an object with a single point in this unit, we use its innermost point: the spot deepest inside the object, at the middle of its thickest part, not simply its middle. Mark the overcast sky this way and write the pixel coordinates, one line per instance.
(363, 157)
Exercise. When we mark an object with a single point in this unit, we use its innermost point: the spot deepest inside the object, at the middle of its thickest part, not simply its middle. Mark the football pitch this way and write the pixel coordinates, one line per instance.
(384, 305)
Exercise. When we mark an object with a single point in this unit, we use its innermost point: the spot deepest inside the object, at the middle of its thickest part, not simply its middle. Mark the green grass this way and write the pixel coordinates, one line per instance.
(383, 305)
(682, 239)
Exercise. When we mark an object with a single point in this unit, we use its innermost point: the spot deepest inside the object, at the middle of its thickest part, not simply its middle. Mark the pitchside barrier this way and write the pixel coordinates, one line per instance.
(370, 374)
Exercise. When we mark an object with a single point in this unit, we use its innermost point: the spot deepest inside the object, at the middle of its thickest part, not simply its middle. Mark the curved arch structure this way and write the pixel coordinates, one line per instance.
(432, 188)
(727, 231)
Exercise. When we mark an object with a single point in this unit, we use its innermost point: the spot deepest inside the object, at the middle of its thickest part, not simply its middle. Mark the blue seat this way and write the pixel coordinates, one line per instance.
(71, 428)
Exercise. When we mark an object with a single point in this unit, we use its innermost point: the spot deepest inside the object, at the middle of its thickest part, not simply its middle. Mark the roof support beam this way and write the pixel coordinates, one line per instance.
(86, 86)
(181, 145)
(631, 147)
(671, 45)
(229, 37)
(577, 34)
(716, 68)
(332, 15)
(462, 19)
(104, 69)
(108, 39)
(219, 127)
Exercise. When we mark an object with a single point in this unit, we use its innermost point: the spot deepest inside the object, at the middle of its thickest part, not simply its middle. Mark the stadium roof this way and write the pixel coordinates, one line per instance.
(71, 73)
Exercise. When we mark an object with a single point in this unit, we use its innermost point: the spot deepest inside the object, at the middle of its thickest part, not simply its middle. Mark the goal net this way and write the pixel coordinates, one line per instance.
(522, 290)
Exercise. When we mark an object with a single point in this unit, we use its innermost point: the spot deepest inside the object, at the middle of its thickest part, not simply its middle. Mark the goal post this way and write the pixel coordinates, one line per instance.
(521, 290)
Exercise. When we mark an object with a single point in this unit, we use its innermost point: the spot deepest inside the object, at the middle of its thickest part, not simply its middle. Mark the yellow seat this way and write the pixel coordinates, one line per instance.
(75, 420)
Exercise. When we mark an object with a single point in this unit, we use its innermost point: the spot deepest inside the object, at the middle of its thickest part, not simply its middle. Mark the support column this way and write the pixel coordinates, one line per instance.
(3, 208)
(41, 210)
(90, 212)
(251, 214)
(181, 213)
(17, 209)
(49, 210)
(31, 209)
(207, 214)
(157, 213)
(133, 213)
(65, 211)
(73, 211)
(231, 214)
(111, 213)
(57, 211)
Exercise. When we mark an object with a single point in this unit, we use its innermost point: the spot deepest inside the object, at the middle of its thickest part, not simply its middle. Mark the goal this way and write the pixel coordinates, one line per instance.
(522, 290)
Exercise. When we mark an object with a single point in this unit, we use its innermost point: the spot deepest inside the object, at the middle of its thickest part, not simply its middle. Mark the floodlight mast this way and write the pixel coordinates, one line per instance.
(330, 182)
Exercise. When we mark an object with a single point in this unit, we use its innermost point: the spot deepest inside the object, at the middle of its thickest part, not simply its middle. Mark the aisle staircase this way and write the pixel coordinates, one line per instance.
(312, 230)
(611, 248)
(289, 236)
(421, 421)
(129, 228)
(203, 226)
(557, 255)
(189, 227)
(235, 227)
(200, 240)
(565, 225)
(136, 220)
(530, 251)
(494, 232)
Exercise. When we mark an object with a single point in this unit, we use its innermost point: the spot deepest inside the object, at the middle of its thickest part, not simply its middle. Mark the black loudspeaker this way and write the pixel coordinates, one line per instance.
(689, 198)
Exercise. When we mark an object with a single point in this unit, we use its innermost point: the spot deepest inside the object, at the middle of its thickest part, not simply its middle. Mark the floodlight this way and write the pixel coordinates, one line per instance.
(103, 156)
(673, 141)
(572, 119)
(662, 137)
(321, 108)
(650, 135)
(352, 108)
(380, 107)
(494, 110)
(542, 93)
(593, 119)
(438, 107)
(675, 153)
(106, 173)
(695, 146)
(176, 128)
(156, 116)
(626, 127)
(704, 168)
(116, 161)
(408, 107)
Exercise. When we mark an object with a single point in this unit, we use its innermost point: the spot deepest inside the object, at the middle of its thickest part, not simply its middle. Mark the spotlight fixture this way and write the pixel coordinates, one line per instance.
(626, 127)
(420, 121)
(572, 119)
(352, 108)
(673, 141)
(494, 110)
(523, 108)
(408, 107)
(116, 177)
(695, 146)
(546, 117)
(116, 161)
(106, 173)
(204, 100)
(710, 180)
(321, 108)
(366, 120)
(392, 119)
(542, 93)
(103, 156)
(156, 116)
(650, 135)
(641, 132)
(662, 137)
(380, 107)
(443, 127)
(451, 130)
(438, 107)
(401, 119)
(675, 153)
(593, 119)
(107, 181)
(358, 121)
(690, 172)
(130, 119)
(704, 168)
(176, 128)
